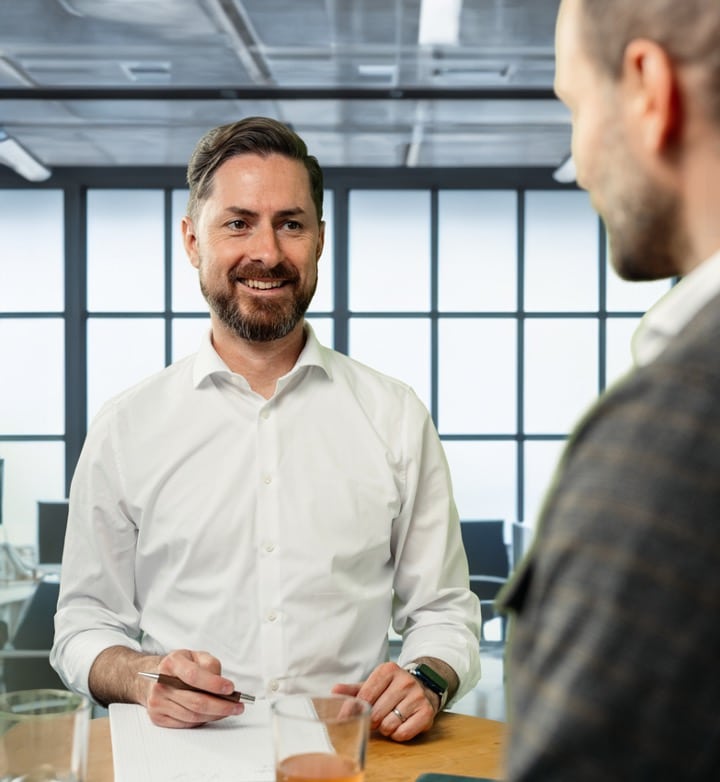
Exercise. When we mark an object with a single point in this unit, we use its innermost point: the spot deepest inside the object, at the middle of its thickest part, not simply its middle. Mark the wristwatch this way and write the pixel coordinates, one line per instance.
(430, 679)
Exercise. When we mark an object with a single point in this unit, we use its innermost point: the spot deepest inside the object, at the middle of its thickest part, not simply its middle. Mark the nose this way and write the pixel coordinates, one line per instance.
(264, 245)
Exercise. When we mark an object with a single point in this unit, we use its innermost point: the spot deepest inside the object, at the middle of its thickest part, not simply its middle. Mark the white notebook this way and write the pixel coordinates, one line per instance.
(236, 749)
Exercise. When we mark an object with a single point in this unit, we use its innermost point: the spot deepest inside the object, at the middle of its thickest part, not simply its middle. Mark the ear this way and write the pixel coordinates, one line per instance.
(190, 241)
(321, 241)
(650, 84)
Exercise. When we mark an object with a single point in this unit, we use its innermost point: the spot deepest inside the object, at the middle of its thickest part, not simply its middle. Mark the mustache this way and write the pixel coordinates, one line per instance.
(258, 270)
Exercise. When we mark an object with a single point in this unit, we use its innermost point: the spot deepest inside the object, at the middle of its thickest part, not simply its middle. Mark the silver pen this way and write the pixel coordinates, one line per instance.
(179, 684)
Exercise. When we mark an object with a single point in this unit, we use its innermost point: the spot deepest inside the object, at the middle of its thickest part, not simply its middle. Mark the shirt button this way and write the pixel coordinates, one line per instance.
(267, 479)
(272, 616)
(274, 685)
(265, 415)
(269, 547)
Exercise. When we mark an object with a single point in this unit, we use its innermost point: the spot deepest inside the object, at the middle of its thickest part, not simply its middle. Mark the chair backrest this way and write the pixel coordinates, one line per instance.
(35, 631)
(485, 547)
(52, 523)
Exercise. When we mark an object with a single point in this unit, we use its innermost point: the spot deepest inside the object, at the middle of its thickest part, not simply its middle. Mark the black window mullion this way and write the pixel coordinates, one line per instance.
(168, 241)
(434, 305)
(341, 251)
(520, 488)
(75, 222)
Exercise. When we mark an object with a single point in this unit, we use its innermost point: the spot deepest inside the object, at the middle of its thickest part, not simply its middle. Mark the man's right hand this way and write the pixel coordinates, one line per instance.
(114, 679)
(174, 708)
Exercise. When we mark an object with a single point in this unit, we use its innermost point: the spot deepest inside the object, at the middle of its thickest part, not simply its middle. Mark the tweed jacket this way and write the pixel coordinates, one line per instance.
(614, 651)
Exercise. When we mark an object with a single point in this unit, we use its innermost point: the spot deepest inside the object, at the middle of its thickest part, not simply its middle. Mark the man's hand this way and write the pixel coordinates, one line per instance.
(401, 707)
(174, 708)
(114, 679)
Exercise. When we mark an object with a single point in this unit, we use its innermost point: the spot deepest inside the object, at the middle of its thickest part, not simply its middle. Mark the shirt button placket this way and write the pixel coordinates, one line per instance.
(271, 628)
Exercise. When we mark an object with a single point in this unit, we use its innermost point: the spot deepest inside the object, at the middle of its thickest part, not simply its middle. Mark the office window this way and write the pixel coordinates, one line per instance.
(324, 329)
(484, 476)
(125, 250)
(561, 368)
(32, 355)
(495, 301)
(120, 353)
(187, 334)
(477, 252)
(618, 354)
(540, 462)
(389, 250)
(32, 392)
(400, 347)
(561, 252)
(477, 376)
(31, 223)
(34, 471)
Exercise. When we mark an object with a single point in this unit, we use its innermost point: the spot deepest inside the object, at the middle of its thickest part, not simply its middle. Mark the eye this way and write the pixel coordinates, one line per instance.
(293, 225)
(237, 225)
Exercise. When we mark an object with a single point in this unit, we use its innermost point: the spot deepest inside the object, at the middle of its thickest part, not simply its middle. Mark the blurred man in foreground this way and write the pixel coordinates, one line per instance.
(615, 641)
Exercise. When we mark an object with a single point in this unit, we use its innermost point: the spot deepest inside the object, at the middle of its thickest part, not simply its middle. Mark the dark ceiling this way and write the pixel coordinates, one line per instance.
(136, 82)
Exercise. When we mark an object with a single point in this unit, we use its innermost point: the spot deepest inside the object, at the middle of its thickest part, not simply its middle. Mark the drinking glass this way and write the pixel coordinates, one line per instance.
(43, 736)
(320, 738)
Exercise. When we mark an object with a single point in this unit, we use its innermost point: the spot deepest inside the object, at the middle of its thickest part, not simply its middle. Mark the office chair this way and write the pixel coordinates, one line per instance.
(489, 565)
(25, 658)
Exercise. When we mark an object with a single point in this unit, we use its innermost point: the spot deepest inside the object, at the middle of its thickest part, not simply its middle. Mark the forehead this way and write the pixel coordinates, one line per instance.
(571, 59)
(257, 181)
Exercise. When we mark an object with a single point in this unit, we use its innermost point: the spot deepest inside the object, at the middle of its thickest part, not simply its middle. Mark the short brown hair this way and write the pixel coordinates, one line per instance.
(252, 135)
(688, 30)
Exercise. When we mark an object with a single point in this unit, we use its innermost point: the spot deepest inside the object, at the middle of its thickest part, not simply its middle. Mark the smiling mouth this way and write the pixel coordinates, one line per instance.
(262, 285)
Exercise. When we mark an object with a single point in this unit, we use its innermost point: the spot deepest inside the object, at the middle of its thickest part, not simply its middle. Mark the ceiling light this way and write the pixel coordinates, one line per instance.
(14, 154)
(440, 22)
(565, 172)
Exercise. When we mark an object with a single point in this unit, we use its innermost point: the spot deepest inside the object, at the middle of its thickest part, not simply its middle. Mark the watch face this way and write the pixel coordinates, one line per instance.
(435, 681)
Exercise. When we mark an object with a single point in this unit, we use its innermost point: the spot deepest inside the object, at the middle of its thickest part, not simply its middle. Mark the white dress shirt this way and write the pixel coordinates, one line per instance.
(669, 316)
(282, 536)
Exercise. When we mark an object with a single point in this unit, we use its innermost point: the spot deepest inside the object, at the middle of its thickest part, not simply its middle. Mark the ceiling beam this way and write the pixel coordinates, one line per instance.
(275, 93)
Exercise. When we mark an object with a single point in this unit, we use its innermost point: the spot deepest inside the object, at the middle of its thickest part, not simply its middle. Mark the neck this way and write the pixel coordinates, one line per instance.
(260, 363)
(698, 184)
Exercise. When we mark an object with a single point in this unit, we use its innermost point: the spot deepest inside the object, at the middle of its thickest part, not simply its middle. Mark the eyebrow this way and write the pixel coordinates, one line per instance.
(242, 212)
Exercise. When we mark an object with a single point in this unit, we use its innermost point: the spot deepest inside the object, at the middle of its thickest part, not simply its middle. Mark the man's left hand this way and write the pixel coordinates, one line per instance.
(401, 707)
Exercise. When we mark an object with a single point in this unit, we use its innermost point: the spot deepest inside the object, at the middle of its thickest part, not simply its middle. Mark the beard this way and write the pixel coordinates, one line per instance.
(258, 320)
(647, 241)
(643, 218)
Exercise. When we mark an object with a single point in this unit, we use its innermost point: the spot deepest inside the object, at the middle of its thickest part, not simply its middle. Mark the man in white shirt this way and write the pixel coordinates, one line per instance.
(256, 515)
(613, 662)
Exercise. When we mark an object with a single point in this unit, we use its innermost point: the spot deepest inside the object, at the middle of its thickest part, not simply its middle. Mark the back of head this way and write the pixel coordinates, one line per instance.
(249, 136)
(688, 30)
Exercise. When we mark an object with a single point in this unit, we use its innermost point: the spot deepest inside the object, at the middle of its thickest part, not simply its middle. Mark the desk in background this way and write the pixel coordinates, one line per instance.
(457, 744)
(13, 597)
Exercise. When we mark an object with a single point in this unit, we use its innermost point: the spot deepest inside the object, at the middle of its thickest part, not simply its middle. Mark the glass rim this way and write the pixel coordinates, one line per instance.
(276, 706)
(74, 702)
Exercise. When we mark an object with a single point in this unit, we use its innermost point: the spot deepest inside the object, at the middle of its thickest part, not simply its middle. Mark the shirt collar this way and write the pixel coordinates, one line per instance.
(208, 362)
(669, 316)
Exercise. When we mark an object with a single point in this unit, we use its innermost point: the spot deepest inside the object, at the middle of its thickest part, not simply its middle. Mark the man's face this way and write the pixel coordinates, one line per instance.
(256, 241)
(640, 213)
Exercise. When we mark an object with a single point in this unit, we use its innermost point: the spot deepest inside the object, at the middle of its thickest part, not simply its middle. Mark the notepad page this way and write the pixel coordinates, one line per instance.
(236, 749)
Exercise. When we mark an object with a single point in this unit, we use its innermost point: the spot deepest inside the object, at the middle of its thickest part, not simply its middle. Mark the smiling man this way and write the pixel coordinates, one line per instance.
(256, 516)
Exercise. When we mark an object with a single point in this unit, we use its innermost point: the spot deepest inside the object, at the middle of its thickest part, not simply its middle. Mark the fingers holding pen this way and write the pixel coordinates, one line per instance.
(176, 707)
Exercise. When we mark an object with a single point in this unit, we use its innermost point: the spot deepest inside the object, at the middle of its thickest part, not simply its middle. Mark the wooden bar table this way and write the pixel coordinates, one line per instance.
(457, 744)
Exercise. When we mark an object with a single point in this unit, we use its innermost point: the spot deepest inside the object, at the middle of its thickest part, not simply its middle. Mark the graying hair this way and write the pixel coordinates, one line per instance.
(251, 135)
